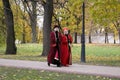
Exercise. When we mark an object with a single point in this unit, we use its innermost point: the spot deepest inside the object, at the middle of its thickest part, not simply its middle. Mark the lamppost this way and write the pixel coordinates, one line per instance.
(83, 34)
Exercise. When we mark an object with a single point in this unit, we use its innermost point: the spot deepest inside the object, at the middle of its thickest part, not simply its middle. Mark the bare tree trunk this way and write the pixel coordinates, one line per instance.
(75, 37)
(31, 9)
(48, 12)
(114, 39)
(24, 25)
(33, 19)
(90, 40)
(106, 36)
(10, 42)
(23, 34)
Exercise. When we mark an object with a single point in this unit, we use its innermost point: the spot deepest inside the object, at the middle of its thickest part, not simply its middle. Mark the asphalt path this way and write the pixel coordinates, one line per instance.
(106, 71)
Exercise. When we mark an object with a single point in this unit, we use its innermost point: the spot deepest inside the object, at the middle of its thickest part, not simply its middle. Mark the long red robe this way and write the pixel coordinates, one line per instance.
(53, 48)
(66, 55)
(70, 52)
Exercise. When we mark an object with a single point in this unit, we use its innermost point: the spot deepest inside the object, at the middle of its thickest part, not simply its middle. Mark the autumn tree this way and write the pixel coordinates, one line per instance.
(76, 11)
(10, 41)
(21, 22)
(48, 12)
(106, 12)
(31, 8)
(70, 16)
(2, 25)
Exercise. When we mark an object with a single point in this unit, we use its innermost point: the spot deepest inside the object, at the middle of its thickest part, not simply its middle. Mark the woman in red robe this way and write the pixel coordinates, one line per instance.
(54, 53)
(66, 56)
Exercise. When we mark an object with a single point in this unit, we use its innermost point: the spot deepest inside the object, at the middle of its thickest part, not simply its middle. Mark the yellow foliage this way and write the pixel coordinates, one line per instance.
(113, 28)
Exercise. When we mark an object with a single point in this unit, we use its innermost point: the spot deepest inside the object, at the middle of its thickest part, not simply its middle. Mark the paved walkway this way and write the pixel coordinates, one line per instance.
(75, 68)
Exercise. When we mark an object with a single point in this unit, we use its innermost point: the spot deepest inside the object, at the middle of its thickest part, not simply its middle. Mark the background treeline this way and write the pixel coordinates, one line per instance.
(101, 17)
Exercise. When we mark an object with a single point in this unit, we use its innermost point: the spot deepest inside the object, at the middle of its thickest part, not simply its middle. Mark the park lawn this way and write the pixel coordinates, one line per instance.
(8, 73)
(99, 54)
(96, 54)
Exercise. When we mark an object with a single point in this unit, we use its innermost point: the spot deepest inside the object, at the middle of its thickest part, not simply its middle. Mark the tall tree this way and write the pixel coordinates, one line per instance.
(22, 22)
(10, 42)
(48, 12)
(33, 20)
(76, 15)
(31, 8)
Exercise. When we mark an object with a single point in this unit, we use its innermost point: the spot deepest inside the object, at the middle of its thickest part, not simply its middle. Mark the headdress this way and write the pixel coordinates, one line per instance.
(55, 26)
(65, 28)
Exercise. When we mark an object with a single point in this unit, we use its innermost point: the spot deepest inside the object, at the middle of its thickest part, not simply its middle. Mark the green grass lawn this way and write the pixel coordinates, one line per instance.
(8, 73)
(99, 54)
(96, 54)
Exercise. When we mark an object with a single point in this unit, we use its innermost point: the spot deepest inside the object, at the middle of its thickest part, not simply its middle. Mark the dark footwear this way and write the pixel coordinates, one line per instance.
(58, 65)
(48, 64)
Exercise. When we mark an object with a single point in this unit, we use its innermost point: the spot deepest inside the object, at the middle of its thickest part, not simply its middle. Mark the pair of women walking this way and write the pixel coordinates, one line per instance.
(60, 50)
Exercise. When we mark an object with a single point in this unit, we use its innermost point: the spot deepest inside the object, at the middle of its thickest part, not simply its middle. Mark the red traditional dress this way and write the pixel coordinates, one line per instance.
(66, 50)
(53, 53)
(70, 40)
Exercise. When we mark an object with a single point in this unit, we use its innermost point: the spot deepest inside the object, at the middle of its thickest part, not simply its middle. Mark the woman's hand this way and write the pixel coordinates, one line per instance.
(54, 45)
